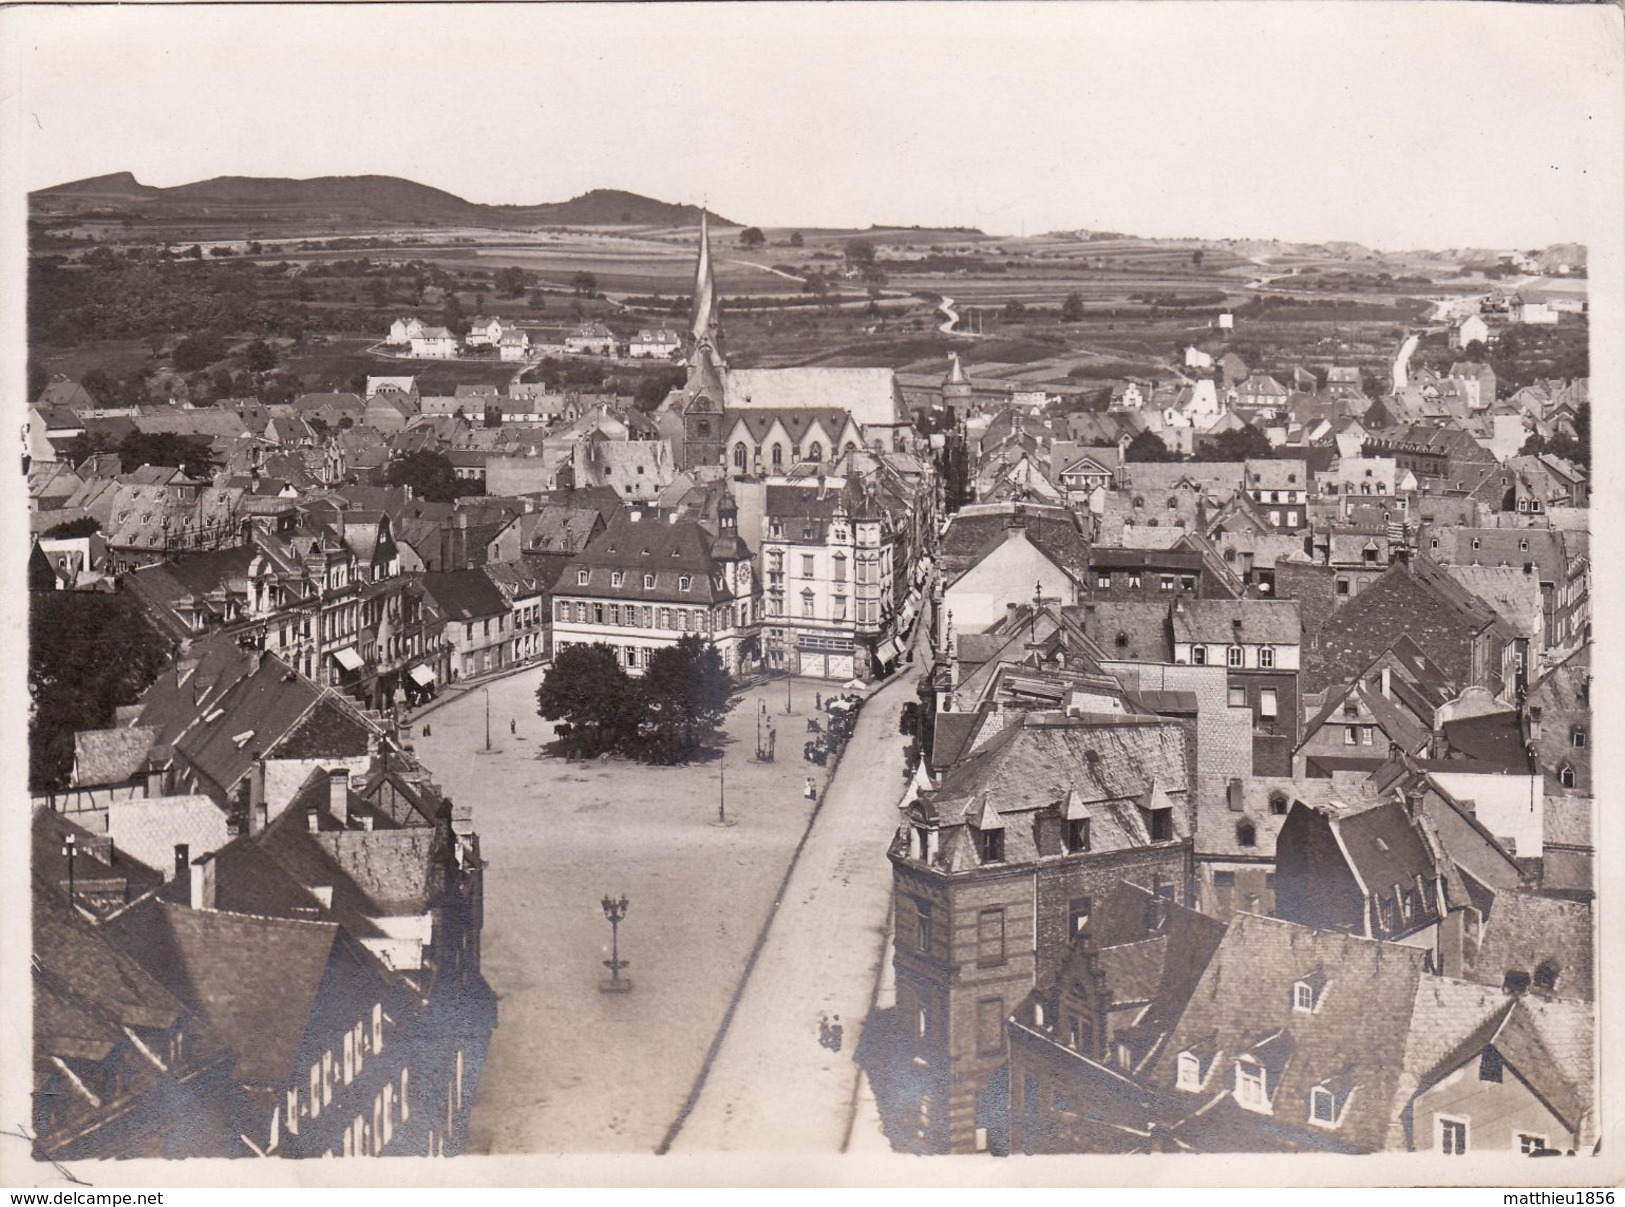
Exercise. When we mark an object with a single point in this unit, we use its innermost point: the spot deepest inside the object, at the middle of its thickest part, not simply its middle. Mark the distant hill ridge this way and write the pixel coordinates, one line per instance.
(356, 198)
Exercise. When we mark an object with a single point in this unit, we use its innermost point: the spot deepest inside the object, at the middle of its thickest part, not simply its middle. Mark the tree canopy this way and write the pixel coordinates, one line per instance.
(751, 237)
(663, 717)
(428, 473)
(1072, 308)
(587, 689)
(166, 448)
(88, 653)
(1238, 444)
(1148, 446)
(85, 525)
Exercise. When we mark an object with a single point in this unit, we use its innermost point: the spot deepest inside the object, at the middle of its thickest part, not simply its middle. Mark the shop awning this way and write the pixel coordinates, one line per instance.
(348, 658)
(888, 650)
(422, 676)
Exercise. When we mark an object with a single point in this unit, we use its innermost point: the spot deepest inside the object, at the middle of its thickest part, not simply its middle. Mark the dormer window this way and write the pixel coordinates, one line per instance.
(648, 582)
(990, 845)
(1566, 777)
(1077, 835)
(1234, 656)
(1327, 1102)
(617, 577)
(1193, 1067)
(581, 578)
(1577, 737)
(1307, 992)
(684, 582)
(1266, 657)
(1246, 834)
(1251, 1090)
(1278, 803)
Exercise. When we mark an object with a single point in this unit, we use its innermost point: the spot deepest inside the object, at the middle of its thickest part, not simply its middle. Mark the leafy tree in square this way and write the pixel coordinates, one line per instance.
(685, 691)
(587, 689)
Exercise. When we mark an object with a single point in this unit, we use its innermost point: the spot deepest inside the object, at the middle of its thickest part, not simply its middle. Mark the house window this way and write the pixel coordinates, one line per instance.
(1368, 734)
(1234, 656)
(581, 578)
(1246, 834)
(1267, 706)
(741, 456)
(1566, 777)
(632, 656)
(1546, 974)
(838, 607)
(1477, 544)
(1250, 1086)
(1236, 697)
(922, 925)
(1577, 737)
(807, 605)
(1162, 825)
(990, 937)
(1266, 657)
(990, 844)
(1528, 1144)
(1187, 582)
(1199, 655)
(1077, 835)
(1303, 996)
(1077, 914)
(1349, 737)
(815, 451)
(1278, 803)
(617, 577)
(1167, 582)
(806, 565)
(1453, 1137)
(838, 569)
(648, 582)
(778, 456)
(1489, 1065)
(1103, 581)
(684, 582)
(1134, 581)
(1322, 1107)
(1190, 1072)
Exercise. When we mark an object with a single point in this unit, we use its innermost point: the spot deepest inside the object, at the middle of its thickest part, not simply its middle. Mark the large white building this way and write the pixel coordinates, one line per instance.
(656, 575)
(829, 561)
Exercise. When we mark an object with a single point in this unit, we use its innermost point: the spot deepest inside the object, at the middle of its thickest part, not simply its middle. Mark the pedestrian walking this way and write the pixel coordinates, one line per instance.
(425, 729)
(513, 726)
(812, 789)
(818, 700)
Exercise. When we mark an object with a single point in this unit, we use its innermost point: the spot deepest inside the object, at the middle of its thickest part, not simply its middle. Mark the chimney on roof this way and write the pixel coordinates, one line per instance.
(338, 796)
(202, 882)
(313, 820)
(256, 795)
(634, 515)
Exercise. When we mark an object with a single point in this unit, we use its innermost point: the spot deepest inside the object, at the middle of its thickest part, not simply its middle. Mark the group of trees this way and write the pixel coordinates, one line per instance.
(431, 476)
(138, 448)
(664, 717)
(1576, 448)
(88, 653)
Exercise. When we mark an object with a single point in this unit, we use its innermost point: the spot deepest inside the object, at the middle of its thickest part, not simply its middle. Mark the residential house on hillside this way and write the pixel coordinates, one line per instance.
(434, 343)
(654, 344)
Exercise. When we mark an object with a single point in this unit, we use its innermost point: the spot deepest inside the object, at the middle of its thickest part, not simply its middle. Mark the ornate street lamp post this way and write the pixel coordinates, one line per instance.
(615, 910)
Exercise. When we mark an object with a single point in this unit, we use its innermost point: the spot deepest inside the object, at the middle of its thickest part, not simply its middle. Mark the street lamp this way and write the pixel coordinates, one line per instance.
(615, 911)
(488, 720)
(70, 849)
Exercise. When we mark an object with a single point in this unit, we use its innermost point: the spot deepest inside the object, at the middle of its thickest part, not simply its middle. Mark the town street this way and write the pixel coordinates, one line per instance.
(571, 1068)
(773, 1086)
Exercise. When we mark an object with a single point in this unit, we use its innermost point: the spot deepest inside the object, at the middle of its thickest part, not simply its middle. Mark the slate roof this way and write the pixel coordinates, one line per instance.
(110, 756)
(870, 396)
(1245, 998)
(1524, 929)
(465, 594)
(255, 979)
(1111, 766)
(1128, 630)
(557, 529)
(1493, 739)
(1384, 847)
(651, 544)
(1224, 621)
(1407, 599)
(1216, 821)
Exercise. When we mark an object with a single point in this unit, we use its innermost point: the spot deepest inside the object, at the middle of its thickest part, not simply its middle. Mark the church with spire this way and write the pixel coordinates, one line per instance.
(756, 422)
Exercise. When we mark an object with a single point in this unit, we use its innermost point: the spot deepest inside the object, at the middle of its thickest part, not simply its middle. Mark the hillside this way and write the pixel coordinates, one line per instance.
(354, 199)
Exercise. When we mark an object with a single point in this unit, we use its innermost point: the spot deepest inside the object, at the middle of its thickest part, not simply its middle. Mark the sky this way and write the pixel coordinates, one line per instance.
(1393, 124)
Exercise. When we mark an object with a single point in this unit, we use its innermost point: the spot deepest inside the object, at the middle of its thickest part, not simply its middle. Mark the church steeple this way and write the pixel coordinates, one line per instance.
(705, 326)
